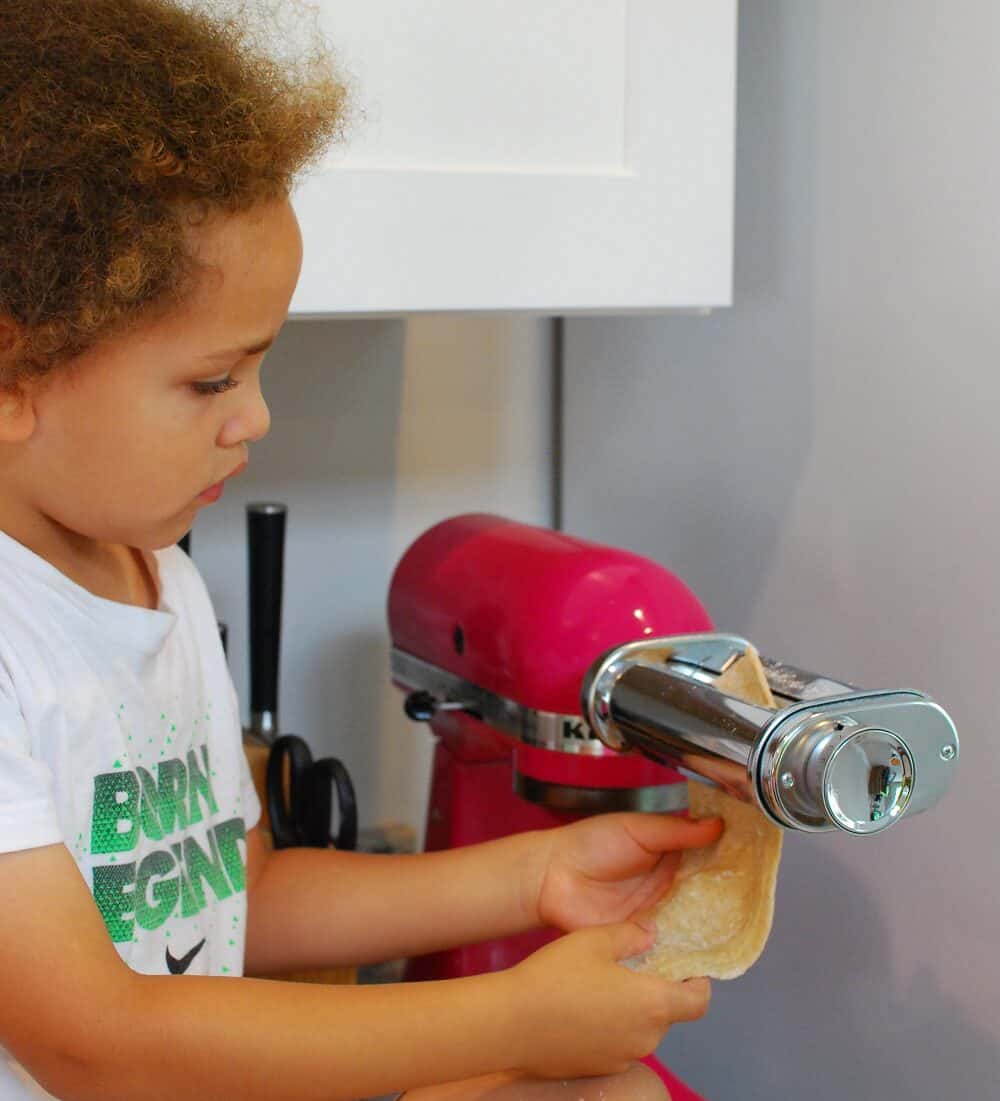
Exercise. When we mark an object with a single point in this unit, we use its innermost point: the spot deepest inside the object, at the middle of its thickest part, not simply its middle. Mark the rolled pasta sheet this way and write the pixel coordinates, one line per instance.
(717, 916)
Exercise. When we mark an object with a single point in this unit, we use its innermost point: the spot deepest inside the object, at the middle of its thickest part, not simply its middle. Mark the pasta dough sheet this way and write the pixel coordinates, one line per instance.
(717, 917)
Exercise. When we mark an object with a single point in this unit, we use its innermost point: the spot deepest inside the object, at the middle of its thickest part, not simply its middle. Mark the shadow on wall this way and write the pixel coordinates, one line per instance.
(831, 954)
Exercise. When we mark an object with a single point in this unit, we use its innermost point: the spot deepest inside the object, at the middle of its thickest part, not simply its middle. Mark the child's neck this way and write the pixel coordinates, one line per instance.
(112, 571)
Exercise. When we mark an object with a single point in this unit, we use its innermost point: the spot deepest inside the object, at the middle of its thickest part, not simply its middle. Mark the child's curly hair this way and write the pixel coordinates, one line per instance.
(121, 123)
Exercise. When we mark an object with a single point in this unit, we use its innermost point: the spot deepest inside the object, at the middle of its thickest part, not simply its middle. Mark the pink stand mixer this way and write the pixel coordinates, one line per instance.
(562, 678)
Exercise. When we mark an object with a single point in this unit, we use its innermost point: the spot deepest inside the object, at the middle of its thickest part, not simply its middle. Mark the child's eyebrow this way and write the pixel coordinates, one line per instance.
(260, 346)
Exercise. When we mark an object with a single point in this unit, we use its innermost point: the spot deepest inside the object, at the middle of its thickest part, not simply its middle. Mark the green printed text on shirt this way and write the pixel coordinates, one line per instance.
(197, 857)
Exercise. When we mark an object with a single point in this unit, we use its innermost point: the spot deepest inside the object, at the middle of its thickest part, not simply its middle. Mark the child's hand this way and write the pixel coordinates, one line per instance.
(612, 866)
(581, 1012)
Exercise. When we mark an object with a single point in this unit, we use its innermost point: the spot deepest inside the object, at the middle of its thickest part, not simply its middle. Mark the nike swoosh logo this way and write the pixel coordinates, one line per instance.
(179, 966)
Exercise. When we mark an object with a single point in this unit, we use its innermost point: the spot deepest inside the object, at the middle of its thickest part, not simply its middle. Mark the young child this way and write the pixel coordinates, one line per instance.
(148, 254)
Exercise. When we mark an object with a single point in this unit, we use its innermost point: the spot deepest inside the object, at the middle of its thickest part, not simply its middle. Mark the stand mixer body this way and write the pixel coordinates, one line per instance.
(517, 614)
(495, 624)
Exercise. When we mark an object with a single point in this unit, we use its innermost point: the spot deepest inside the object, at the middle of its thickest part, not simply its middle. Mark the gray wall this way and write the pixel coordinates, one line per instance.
(821, 464)
(379, 429)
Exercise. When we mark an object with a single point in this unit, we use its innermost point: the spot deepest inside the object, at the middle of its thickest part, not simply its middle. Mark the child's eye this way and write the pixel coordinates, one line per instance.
(215, 386)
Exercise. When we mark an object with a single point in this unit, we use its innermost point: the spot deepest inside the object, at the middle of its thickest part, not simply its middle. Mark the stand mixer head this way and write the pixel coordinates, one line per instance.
(592, 671)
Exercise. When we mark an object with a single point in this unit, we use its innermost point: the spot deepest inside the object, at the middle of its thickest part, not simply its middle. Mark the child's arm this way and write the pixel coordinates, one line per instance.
(321, 908)
(89, 1028)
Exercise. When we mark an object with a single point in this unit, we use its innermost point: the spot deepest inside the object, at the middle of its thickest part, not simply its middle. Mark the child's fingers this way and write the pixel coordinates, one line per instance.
(667, 832)
(689, 999)
(710, 828)
(628, 938)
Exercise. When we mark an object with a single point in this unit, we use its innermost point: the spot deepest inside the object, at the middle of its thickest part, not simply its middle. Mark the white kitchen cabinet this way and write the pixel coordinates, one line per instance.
(538, 156)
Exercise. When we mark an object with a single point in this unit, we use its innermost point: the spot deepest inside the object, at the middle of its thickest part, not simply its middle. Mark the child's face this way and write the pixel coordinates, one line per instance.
(124, 443)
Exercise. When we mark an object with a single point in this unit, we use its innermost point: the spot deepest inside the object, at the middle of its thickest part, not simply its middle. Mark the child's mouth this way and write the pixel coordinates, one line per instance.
(213, 493)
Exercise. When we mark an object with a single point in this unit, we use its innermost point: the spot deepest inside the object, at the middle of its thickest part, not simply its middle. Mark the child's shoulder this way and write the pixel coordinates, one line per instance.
(26, 581)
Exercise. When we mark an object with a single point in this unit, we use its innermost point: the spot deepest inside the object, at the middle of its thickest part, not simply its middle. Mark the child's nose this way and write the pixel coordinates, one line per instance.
(251, 422)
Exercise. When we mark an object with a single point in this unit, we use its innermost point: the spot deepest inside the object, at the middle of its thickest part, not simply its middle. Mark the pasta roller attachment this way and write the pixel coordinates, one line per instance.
(828, 756)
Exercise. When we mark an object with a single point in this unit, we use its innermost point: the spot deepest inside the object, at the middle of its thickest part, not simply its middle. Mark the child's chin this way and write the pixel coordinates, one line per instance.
(166, 536)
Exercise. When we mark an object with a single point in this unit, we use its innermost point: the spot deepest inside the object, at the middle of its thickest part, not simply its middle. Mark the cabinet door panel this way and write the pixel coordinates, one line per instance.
(537, 156)
(502, 90)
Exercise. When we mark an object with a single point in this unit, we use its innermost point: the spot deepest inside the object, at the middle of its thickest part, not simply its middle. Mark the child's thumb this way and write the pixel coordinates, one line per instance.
(631, 938)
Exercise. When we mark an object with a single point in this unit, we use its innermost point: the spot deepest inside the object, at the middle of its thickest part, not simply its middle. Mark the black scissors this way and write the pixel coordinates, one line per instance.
(300, 810)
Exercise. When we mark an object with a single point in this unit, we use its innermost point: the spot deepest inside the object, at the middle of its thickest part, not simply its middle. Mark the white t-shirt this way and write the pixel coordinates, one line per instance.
(120, 737)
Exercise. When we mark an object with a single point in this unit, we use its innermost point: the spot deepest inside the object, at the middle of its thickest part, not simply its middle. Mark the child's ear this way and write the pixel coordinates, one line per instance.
(17, 415)
(17, 410)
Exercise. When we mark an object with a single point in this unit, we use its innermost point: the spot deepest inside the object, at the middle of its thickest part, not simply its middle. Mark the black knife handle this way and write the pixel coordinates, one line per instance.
(266, 551)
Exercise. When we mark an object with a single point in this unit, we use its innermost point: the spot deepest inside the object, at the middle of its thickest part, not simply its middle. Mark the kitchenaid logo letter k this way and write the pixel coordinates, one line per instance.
(574, 730)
